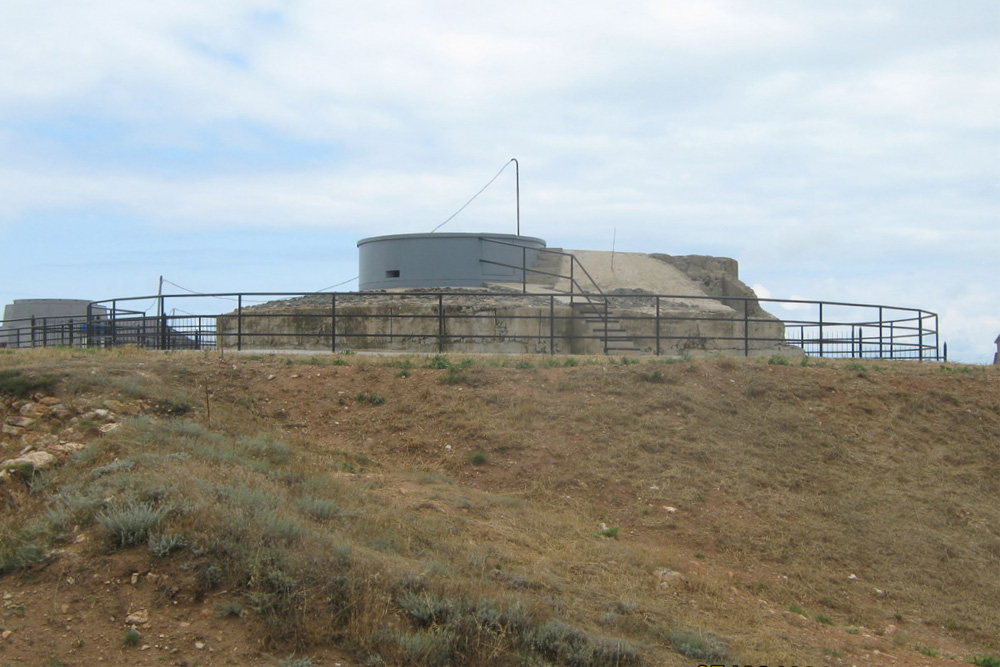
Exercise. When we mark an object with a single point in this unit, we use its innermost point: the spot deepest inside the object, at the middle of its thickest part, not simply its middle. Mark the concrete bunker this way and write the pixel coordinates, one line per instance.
(514, 294)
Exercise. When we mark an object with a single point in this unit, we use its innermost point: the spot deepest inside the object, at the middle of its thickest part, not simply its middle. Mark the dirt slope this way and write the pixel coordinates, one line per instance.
(837, 513)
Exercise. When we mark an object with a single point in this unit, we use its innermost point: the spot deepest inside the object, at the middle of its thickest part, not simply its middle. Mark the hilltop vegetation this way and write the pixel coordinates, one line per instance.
(262, 510)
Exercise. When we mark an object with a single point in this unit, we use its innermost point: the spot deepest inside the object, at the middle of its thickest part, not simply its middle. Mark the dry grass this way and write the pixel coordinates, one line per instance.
(738, 488)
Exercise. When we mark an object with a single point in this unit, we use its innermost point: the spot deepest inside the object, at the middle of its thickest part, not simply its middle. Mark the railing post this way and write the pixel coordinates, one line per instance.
(946, 351)
(440, 323)
(746, 329)
(333, 322)
(164, 339)
(658, 349)
(892, 340)
(90, 324)
(71, 332)
(880, 333)
(820, 329)
(552, 324)
(114, 324)
(45, 332)
(937, 338)
(861, 343)
(920, 339)
(239, 322)
(31, 330)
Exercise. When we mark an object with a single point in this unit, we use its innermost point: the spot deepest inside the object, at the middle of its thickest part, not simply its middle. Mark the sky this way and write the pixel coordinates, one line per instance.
(840, 151)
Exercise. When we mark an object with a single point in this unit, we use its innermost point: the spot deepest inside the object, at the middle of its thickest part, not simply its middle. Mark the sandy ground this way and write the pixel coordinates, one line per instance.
(638, 271)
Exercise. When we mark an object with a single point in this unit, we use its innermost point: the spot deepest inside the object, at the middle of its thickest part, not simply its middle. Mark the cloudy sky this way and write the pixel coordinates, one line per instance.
(844, 150)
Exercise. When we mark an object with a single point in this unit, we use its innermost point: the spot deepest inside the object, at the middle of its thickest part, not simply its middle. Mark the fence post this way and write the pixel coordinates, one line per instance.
(90, 324)
(821, 330)
(658, 348)
(746, 329)
(920, 339)
(239, 322)
(32, 330)
(71, 332)
(333, 322)
(881, 334)
(114, 324)
(440, 323)
(164, 340)
(552, 324)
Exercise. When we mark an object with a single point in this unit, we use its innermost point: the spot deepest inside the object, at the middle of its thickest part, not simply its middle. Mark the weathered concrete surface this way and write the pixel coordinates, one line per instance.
(700, 315)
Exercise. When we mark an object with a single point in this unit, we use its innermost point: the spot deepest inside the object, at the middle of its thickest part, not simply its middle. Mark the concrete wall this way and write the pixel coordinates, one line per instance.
(442, 260)
(56, 322)
(506, 329)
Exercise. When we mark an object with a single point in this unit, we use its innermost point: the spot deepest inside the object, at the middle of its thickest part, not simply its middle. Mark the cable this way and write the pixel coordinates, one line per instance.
(473, 197)
(338, 284)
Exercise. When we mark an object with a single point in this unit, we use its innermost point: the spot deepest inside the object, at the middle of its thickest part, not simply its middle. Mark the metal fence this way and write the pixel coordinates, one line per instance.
(462, 320)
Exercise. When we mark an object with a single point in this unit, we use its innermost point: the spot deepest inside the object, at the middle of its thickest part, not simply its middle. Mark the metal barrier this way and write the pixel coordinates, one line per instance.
(471, 321)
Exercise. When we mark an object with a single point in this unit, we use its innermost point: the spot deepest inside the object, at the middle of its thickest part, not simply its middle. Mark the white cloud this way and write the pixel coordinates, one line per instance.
(809, 141)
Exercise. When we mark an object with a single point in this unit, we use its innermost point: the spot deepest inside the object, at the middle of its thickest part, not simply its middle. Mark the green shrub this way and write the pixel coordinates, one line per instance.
(369, 397)
(778, 360)
(16, 554)
(611, 532)
(132, 638)
(478, 459)
(229, 609)
(698, 644)
(130, 524)
(16, 384)
(164, 544)
(985, 661)
(320, 509)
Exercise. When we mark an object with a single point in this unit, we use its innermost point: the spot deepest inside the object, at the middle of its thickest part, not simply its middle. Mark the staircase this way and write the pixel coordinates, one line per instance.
(553, 265)
(600, 324)
(547, 269)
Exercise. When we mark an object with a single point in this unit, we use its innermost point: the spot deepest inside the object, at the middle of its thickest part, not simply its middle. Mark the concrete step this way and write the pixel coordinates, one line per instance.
(550, 264)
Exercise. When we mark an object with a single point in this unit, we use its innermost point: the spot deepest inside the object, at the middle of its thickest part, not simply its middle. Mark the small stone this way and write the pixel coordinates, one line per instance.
(20, 422)
(66, 447)
(135, 578)
(32, 460)
(199, 645)
(138, 617)
(108, 428)
(101, 413)
(32, 410)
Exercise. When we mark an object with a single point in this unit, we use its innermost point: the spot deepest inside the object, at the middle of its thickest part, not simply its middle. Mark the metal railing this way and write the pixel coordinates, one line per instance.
(480, 321)
(596, 302)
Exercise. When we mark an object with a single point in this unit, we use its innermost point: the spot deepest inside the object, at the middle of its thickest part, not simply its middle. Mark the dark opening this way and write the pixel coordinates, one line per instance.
(392, 274)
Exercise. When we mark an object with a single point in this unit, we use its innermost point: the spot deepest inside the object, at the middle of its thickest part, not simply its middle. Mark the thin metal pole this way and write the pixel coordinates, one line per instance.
(821, 330)
(552, 324)
(920, 325)
(333, 322)
(517, 185)
(881, 334)
(163, 323)
(440, 323)
(239, 323)
(658, 325)
(746, 329)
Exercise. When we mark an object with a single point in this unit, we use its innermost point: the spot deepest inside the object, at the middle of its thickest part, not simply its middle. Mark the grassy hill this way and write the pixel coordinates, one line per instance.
(355, 510)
